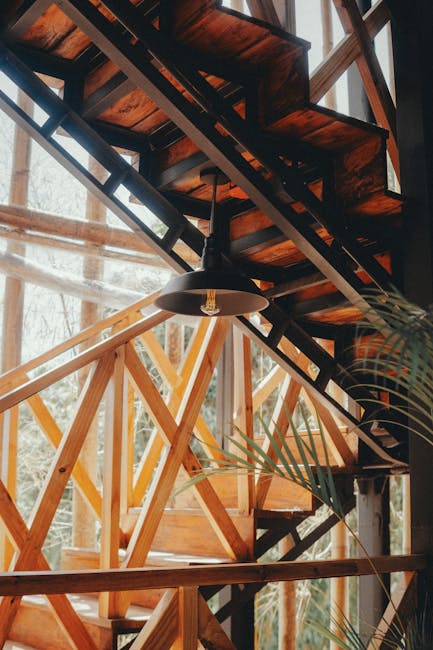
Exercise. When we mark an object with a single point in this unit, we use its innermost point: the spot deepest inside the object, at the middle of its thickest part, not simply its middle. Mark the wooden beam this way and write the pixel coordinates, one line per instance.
(372, 76)
(399, 611)
(13, 378)
(80, 475)
(13, 313)
(210, 630)
(112, 478)
(188, 619)
(160, 631)
(267, 385)
(243, 413)
(24, 219)
(178, 437)
(179, 383)
(87, 250)
(264, 10)
(337, 443)
(285, 406)
(94, 291)
(346, 52)
(53, 582)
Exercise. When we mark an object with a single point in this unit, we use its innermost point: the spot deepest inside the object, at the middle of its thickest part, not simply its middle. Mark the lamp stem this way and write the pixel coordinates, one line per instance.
(213, 204)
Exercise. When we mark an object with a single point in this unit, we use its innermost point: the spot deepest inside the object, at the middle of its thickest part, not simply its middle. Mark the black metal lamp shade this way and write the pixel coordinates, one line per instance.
(235, 294)
(213, 290)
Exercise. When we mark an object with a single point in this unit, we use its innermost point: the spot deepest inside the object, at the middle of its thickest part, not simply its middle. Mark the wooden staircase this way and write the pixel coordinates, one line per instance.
(177, 84)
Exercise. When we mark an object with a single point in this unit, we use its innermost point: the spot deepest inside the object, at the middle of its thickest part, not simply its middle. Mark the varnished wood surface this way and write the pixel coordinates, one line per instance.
(23, 583)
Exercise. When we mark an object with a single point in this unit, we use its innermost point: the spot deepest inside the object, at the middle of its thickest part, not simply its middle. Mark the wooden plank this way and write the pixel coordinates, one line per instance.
(210, 630)
(160, 631)
(56, 480)
(346, 52)
(88, 356)
(188, 619)
(49, 582)
(112, 478)
(243, 414)
(372, 76)
(62, 608)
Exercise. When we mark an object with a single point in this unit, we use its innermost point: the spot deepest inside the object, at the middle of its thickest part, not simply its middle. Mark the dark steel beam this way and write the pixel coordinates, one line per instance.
(319, 305)
(256, 242)
(122, 138)
(43, 62)
(106, 96)
(29, 13)
(181, 172)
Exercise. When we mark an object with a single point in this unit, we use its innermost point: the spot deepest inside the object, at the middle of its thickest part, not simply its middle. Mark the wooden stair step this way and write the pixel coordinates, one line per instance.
(276, 59)
(377, 203)
(282, 495)
(359, 150)
(188, 532)
(15, 645)
(35, 623)
(325, 128)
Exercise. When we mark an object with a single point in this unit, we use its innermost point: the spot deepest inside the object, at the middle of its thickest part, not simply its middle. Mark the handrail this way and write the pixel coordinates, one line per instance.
(33, 386)
(22, 583)
(10, 379)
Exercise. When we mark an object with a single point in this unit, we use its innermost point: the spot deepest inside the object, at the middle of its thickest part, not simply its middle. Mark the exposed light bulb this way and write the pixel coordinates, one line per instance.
(209, 304)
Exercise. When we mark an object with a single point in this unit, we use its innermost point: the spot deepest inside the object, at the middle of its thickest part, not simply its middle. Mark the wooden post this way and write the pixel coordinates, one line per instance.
(373, 531)
(359, 106)
(327, 45)
(84, 529)
(187, 638)
(286, 605)
(243, 413)
(13, 317)
(339, 586)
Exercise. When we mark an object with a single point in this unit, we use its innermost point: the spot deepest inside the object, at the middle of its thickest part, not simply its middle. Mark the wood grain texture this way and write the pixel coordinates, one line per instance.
(131, 579)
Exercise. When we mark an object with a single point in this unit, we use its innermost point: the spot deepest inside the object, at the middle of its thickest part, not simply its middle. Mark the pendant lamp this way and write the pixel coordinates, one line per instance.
(212, 290)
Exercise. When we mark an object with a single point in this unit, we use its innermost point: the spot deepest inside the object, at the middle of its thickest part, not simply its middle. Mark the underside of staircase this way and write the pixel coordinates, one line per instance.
(155, 91)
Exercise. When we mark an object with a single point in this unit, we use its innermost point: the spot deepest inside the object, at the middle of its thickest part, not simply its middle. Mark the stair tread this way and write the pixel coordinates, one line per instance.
(87, 608)
(326, 128)
(15, 645)
(377, 203)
